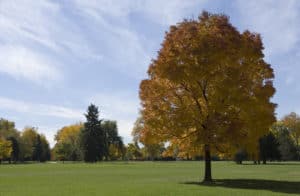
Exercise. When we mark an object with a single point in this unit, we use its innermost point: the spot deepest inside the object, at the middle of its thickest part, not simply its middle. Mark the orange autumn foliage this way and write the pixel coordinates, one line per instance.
(209, 85)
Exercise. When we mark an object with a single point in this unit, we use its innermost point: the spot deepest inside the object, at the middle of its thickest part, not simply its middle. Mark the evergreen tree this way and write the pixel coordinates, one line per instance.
(92, 136)
(269, 148)
(45, 153)
(37, 149)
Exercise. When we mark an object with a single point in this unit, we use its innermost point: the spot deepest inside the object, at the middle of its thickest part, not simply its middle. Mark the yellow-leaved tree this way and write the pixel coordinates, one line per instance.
(67, 145)
(208, 89)
(28, 139)
(5, 149)
(292, 122)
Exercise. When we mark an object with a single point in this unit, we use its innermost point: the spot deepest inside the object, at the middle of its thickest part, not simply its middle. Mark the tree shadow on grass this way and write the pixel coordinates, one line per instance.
(271, 185)
(274, 163)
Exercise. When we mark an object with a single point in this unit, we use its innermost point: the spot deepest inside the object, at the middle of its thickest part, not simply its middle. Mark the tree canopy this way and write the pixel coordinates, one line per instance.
(208, 89)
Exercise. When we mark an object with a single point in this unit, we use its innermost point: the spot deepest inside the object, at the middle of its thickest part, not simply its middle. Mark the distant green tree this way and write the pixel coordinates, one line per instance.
(269, 148)
(10, 133)
(92, 136)
(7, 129)
(37, 149)
(27, 143)
(133, 152)
(112, 140)
(63, 151)
(151, 151)
(15, 148)
(292, 122)
(286, 146)
(41, 149)
(67, 145)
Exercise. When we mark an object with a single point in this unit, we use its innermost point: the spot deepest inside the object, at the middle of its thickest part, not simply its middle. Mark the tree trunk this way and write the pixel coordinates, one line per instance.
(207, 177)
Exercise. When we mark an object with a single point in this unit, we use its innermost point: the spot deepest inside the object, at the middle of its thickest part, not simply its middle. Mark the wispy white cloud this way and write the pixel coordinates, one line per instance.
(115, 8)
(41, 22)
(116, 104)
(36, 109)
(21, 20)
(124, 47)
(160, 12)
(130, 49)
(22, 23)
(33, 34)
(169, 12)
(21, 62)
(277, 22)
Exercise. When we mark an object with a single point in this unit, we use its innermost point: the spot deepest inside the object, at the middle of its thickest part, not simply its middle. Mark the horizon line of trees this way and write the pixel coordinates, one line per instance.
(280, 143)
(97, 140)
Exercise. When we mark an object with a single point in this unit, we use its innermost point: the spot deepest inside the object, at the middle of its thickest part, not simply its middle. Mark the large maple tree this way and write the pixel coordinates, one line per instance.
(208, 89)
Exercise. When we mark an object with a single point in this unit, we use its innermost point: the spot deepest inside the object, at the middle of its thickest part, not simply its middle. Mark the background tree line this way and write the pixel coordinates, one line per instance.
(280, 143)
(26, 145)
(97, 140)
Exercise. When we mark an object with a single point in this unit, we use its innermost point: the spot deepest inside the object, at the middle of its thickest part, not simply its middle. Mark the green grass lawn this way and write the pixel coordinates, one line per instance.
(148, 178)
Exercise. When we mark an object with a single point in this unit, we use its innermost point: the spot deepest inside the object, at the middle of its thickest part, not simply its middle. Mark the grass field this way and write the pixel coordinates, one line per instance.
(148, 178)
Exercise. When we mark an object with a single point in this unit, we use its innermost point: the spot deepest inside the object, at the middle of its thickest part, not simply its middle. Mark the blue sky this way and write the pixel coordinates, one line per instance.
(58, 56)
